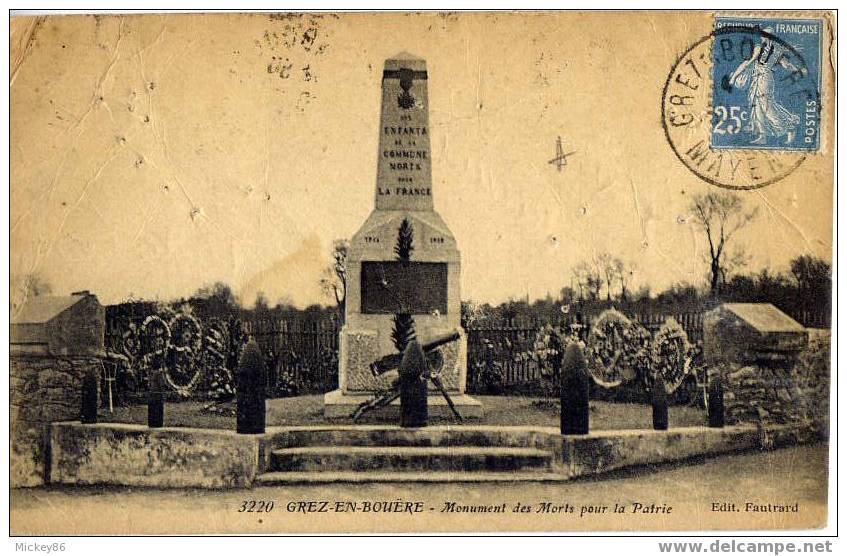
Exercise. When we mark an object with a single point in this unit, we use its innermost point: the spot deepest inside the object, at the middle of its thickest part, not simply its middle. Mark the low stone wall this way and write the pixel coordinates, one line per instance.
(43, 389)
(134, 455)
(604, 451)
(813, 378)
(757, 393)
(780, 392)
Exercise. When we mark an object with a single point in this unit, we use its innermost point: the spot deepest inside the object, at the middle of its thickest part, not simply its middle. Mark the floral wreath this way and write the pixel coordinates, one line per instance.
(617, 349)
(181, 336)
(547, 346)
(670, 355)
(155, 339)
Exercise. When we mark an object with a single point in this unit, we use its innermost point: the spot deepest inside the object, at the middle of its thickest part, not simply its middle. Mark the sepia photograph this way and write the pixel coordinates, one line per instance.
(421, 272)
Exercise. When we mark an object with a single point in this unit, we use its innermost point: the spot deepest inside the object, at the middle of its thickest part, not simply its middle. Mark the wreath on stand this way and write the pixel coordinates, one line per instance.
(618, 350)
(185, 371)
(221, 380)
(671, 358)
(174, 347)
(548, 350)
(543, 351)
(154, 342)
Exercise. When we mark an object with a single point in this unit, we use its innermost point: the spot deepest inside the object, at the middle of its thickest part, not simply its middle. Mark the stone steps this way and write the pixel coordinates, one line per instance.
(382, 459)
(423, 437)
(305, 477)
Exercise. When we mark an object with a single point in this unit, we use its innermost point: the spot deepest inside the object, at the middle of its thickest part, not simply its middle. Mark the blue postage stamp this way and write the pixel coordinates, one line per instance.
(766, 83)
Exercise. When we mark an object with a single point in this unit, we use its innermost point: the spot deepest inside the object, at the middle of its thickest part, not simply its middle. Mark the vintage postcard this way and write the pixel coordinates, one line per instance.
(421, 272)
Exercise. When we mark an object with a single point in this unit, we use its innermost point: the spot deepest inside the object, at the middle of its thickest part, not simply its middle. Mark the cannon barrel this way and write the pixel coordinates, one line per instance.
(392, 361)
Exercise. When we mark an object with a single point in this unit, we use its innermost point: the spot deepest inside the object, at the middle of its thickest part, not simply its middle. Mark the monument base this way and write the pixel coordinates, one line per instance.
(339, 404)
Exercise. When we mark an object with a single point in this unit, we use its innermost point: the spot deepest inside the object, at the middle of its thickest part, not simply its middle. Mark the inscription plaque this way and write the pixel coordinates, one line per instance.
(418, 288)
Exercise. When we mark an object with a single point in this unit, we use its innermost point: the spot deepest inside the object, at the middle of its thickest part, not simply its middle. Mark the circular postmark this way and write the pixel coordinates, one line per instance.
(754, 142)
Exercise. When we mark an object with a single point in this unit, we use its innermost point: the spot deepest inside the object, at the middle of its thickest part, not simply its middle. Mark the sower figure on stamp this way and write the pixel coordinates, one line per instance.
(767, 116)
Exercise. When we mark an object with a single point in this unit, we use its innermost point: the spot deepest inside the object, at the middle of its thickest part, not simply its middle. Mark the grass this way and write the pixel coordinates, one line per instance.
(499, 410)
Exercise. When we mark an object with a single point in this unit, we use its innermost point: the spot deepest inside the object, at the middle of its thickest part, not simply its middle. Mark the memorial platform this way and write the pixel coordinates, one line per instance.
(134, 455)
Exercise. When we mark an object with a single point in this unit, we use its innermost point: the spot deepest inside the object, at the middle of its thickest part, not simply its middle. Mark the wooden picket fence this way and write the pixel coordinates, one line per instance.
(302, 353)
(508, 348)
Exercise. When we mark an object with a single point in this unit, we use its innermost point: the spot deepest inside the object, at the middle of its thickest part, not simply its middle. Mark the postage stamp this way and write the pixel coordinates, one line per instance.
(765, 78)
(741, 107)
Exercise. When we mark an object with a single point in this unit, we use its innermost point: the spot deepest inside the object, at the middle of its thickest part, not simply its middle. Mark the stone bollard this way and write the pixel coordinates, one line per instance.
(88, 412)
(156, 401)
(574, 392)
(716, 410)
(413, 387)
(660, 405)
(250, 391)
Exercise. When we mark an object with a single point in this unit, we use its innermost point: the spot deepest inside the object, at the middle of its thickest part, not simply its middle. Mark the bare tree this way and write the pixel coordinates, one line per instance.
(720, 215)
(261, 305)
(606, 265)
(813, 277)
(623, 271)
(218, 298)
(567, 295)
(579, 276)
(588, 279)
(334, 281)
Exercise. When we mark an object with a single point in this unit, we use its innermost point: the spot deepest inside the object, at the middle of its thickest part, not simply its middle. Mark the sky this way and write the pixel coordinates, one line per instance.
(152, 155)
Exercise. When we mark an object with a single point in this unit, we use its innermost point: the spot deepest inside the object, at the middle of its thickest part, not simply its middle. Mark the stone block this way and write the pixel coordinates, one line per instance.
(604, 451)
(46, 388)
(134, 455)
(750, 332)
(27, 454)
(362, 347)
(359, 348)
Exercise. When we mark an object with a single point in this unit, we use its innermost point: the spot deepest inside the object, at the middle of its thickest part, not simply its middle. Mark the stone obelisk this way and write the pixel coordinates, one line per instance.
(403, 259)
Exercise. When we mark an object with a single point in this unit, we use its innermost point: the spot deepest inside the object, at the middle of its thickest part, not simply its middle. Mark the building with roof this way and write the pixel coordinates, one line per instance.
(59, 325)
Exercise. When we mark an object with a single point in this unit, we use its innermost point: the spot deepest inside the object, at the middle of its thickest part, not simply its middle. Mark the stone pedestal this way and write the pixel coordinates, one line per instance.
(366, 334)
(751, 332)
(44, 389)
(383, 280)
